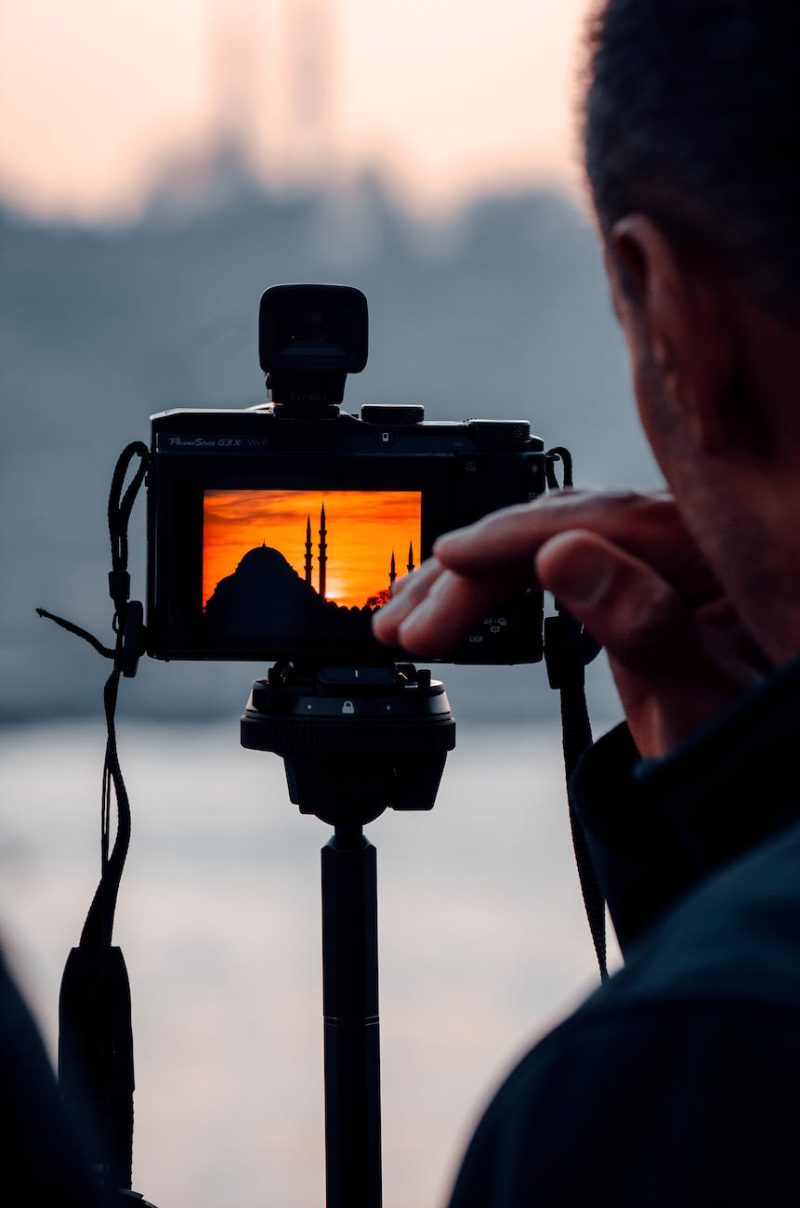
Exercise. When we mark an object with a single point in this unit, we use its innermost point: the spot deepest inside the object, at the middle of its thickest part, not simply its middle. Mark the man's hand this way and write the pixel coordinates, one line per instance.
(625, 566)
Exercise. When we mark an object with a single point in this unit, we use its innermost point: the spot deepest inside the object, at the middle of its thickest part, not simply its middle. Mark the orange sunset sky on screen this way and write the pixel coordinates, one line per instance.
(364, 528)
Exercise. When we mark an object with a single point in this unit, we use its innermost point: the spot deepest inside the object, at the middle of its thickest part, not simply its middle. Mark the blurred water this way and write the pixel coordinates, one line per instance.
(483, 946)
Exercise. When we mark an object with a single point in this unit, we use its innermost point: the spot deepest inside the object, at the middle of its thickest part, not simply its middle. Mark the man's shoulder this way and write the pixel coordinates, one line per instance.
(732, 945)
(721, 971)
(689, 1054)
(736, 937)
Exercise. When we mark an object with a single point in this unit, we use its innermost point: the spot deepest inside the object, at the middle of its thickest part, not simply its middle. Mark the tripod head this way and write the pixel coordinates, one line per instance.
(355, 740)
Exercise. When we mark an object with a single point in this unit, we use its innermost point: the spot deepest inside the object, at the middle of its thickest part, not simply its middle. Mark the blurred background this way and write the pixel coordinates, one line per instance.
(160, 165)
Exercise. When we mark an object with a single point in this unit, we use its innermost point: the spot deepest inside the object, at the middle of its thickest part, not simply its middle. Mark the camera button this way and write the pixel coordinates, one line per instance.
(393, 415)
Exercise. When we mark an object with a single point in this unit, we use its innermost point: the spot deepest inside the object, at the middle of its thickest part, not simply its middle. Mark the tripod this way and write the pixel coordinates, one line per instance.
(355, 741)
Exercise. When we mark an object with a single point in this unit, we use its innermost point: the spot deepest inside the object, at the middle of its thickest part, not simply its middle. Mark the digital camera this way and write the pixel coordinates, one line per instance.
(278, 531)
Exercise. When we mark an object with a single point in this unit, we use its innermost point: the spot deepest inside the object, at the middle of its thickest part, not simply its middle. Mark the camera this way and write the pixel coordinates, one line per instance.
(278, 530)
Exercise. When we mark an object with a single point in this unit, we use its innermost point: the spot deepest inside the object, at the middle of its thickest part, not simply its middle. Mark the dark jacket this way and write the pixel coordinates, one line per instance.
(41, 1163)
(678, 1083)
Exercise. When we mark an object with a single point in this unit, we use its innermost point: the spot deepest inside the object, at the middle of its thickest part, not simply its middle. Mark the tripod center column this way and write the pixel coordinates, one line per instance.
(350, 1010)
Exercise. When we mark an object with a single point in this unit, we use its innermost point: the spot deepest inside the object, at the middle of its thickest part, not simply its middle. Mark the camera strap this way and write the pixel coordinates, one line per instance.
(567, 650)
(95, 1052)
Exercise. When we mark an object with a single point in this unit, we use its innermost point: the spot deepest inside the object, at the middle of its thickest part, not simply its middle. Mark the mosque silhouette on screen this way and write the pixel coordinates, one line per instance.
(265, 593)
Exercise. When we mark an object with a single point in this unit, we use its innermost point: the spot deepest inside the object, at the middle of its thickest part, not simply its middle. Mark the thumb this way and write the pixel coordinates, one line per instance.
(624, 604)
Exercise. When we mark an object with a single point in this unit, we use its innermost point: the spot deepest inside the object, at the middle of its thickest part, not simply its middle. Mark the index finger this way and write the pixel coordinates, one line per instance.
(647, 526)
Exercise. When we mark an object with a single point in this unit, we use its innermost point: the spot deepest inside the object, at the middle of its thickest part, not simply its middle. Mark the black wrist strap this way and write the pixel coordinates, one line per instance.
(95, 1058)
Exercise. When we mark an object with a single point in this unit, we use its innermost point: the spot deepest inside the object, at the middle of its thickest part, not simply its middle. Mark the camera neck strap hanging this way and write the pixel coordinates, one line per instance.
(95, 1059)
(568, 649)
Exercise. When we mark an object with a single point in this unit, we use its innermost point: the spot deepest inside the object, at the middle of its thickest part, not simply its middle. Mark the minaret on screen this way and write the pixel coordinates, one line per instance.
(323, 551)
(308, 551)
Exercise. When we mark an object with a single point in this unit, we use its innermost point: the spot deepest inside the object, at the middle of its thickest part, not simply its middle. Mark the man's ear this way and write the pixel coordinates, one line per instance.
(670, 304)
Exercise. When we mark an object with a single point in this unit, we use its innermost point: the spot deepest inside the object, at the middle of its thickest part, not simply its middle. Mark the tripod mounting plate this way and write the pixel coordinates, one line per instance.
(355, 741)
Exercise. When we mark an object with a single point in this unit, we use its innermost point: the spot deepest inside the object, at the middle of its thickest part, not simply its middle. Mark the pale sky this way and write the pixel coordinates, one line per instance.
(446, 96)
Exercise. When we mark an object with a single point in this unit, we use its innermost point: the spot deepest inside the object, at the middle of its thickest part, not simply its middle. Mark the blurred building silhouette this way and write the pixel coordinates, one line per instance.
(311, 40)
(237, 57)
(273, 94)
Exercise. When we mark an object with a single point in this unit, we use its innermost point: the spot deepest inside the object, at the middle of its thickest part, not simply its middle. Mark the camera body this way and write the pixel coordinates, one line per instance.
(277, 531)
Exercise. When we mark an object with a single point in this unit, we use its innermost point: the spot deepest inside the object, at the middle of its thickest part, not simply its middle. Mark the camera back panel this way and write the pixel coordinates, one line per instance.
(275, 536)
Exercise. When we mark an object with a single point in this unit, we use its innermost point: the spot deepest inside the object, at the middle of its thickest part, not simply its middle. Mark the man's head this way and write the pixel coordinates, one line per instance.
(693, 156)
(692, 117)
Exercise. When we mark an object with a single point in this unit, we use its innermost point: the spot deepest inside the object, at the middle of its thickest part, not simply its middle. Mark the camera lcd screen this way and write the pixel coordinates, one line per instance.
(287, 562)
